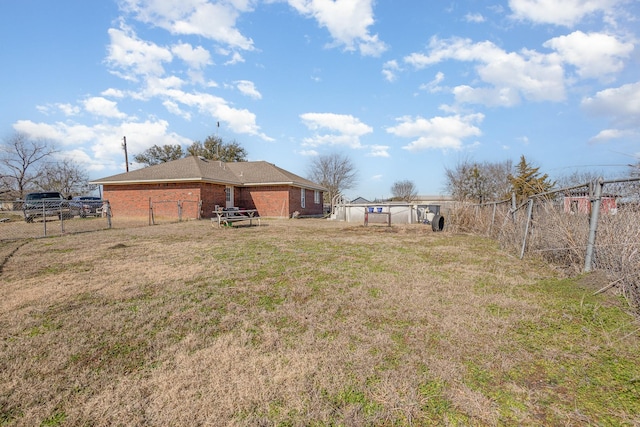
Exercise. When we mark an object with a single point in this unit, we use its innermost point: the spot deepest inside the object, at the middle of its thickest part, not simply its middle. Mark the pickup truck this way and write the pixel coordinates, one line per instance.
(44, 204)
(86, 205)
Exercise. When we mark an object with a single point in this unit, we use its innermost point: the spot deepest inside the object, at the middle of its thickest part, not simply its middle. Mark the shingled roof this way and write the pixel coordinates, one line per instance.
(199, 169)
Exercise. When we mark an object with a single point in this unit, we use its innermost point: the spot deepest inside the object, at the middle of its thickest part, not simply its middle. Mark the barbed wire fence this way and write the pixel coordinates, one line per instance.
(594, 226)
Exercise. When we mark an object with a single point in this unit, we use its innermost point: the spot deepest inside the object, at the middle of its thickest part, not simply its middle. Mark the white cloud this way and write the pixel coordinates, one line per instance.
(343, 129)
(474, 17)
(236, 58)
(215, 21)
(607, 135)
(103, 107)
(68, 109)
(238, 120)
(389, 70)
(196, 58)
(532, 75)
(595, 55)
(133, 57)
(622, 104)
(566, 12)
(103, 142)
(378, 151)
(347, 21)
(434, 85)
(247, 88)
(174, 108)
(113, 93)
(438, 132)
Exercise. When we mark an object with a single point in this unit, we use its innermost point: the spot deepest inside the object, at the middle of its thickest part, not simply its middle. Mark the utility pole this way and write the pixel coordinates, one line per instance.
(126, 157)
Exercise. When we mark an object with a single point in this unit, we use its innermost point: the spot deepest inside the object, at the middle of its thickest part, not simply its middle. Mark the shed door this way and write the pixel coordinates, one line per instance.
(229, 196)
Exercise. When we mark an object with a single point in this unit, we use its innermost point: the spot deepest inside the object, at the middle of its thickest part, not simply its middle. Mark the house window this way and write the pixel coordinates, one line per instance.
(227, 192)
(302, 198)
(316, 197)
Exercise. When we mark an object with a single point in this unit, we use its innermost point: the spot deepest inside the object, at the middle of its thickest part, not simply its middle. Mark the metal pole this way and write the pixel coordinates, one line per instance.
(44, 217)
(493, 217)
(513, 206)
(126, 156)
(593, 224)
(526, 228)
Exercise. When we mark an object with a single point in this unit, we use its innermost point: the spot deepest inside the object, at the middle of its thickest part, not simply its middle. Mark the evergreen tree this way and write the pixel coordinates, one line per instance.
(527, 181)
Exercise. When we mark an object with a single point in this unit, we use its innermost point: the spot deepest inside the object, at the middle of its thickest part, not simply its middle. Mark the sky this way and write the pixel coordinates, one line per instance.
(404, 88)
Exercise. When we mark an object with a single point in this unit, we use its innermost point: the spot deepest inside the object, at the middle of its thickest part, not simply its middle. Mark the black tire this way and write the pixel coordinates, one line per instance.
(437, 223)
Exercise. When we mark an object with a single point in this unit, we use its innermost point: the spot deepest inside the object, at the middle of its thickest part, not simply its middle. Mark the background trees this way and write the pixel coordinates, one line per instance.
(528, 181)
(334, 171)
(479, 182)
(404, 190)
(21, 159)
(156, 154)
(213, 148)
(65, 176)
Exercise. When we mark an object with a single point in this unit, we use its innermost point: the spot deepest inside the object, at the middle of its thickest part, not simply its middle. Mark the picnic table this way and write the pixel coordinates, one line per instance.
(231, 215)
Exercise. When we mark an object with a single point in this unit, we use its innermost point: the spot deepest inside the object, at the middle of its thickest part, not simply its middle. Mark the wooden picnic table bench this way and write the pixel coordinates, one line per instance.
(229, 216)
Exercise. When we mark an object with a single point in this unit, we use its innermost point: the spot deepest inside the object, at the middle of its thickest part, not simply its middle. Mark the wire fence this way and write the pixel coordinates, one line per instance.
(167, 211)
(594, 226)
(21, 220)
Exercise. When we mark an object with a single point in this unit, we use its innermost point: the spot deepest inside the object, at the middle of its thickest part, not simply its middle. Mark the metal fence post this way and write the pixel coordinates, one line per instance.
(514, 207)
(44, 218)
(108, 207)
(526, 227)
(593, 223)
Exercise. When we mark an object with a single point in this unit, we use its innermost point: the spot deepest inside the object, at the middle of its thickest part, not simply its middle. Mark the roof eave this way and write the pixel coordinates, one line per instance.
(161, 181)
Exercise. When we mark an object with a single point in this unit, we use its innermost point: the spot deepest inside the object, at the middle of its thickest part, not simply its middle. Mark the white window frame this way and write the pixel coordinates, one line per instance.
(316, 197)
(303, 200)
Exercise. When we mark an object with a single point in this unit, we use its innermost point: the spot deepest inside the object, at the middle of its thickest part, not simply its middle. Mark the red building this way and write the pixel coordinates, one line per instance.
(581, 203)
(201, 185)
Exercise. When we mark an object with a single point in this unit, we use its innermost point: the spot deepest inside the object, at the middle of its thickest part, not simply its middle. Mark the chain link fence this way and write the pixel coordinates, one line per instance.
(24, 220)
(167, 211)
(594, 226)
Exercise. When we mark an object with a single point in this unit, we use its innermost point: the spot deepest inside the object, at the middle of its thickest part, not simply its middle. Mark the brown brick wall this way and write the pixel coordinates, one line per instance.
(270, 201)
(277, 201)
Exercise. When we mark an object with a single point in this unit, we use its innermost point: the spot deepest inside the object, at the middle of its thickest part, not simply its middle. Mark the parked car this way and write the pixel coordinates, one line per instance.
(44, 204)
(86, 205)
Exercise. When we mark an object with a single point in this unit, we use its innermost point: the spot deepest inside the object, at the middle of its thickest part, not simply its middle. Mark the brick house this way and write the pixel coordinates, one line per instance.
(201, 185)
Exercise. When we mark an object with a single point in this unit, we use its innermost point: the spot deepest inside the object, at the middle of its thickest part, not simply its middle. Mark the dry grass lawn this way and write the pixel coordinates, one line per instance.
(305, 323)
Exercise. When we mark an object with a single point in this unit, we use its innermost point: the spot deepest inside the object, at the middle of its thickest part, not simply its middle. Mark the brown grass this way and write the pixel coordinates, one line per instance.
(303, 322)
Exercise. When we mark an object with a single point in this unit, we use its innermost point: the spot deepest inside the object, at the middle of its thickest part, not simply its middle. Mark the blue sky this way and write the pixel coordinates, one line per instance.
(405, 88)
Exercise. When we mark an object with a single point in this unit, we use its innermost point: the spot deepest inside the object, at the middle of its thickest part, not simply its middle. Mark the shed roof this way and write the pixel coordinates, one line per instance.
(199, 169)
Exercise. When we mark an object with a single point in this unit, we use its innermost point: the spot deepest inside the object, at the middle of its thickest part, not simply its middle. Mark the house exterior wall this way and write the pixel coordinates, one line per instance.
(277, 201)
(132, 200)
(310, 206)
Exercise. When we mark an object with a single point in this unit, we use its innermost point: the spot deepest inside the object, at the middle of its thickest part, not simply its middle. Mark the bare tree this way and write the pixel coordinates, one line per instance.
(404, 190)
(479, 182)
(65, 176)
(19, 160)
(334, 171)
(156, 154)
